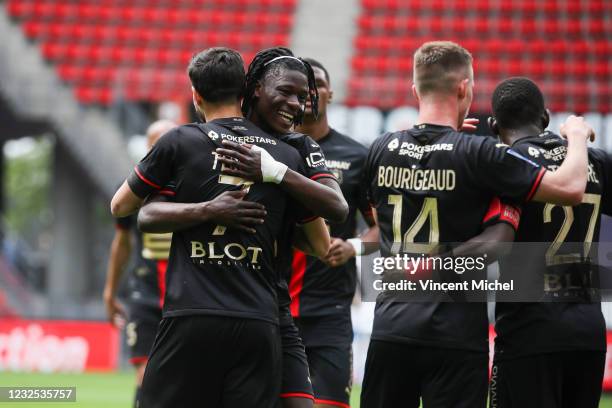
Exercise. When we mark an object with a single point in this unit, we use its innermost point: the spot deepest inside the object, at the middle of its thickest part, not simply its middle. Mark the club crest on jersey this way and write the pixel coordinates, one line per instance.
(394, 144)
(315, 159)
(213, 135)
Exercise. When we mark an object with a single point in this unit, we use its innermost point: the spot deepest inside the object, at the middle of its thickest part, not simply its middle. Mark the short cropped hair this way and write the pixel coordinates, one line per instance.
(217, 74)
(517, 102)
(314, 63)
(438, 65)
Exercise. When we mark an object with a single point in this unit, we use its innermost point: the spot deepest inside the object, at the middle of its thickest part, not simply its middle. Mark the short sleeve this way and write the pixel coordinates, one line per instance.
(505, 171)
(155, 171)
(311, 153)
(124, 223)
(502, 212)
(369, 169)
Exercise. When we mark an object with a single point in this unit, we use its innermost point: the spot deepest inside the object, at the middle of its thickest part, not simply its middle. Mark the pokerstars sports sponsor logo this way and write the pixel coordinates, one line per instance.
(213, 135)
(393, 144)
(214, 253)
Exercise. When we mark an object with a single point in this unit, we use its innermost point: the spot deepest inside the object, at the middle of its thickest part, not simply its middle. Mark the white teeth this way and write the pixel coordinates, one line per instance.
(286, 116)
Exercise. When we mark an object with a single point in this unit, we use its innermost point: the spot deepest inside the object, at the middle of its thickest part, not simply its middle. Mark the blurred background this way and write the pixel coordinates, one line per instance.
(80, 81)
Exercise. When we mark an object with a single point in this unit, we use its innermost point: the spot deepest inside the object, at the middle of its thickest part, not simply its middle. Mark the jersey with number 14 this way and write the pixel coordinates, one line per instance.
(431, 185)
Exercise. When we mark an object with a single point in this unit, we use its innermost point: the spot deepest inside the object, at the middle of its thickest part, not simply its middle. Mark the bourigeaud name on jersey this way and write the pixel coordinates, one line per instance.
(229, 254)
(416, 151)
(416, 179)
(240, 139)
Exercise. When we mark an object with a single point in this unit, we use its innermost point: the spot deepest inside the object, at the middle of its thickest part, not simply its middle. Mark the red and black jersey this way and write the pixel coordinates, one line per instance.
(434, 185)
(316, 288)
(146, 280)
(215, 270)
(567, 318)
(315, 169)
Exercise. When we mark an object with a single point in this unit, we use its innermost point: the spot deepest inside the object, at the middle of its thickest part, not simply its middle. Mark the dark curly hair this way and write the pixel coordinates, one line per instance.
(517, 102)
(270, 61)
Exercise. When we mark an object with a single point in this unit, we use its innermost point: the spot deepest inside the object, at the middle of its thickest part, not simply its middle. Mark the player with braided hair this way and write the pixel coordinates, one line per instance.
(277, 87)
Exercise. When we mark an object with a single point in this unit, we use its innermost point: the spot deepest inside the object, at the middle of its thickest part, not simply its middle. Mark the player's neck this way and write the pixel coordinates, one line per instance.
(214, 111)
(317, 129)
(438, 112)
(511, 136)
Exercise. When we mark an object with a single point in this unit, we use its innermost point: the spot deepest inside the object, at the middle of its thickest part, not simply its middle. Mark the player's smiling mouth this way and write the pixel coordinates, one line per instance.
(287, 117)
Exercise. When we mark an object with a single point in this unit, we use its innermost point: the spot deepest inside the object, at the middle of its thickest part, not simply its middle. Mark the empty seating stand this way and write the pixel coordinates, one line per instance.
(139, 50)
(564, 45)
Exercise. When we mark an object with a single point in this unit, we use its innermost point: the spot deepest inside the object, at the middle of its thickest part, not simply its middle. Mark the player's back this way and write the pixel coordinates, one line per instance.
(555, 258)
(432, 185)
(212, 269)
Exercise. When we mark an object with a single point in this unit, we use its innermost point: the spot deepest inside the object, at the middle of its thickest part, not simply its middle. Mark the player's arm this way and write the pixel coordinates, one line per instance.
(152, 175)
(566, 185)
(324, 199)
(499, 228)
(227, 209)
(340, 251)
(125, 202)
(120, 250)
(313, 238)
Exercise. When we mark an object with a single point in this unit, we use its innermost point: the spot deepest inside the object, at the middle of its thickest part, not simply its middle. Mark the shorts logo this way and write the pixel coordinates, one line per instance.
(394, 144)
(213, 135)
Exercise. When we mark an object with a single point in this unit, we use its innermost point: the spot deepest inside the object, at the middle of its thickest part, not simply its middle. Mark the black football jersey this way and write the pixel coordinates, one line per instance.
(316, 288)
(150, 253)
(433, 185)
(315, 169)
(212, 269)
(568, 317)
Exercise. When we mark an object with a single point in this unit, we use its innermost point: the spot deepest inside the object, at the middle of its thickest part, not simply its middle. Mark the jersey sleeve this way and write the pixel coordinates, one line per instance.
(499, 212)
(605, 178)
(311, 153)
(369, 169)
(505, 172)
(155, 171)
(124, 223)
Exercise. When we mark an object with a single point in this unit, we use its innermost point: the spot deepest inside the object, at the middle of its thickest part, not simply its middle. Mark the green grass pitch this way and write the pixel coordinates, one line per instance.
(111, 390)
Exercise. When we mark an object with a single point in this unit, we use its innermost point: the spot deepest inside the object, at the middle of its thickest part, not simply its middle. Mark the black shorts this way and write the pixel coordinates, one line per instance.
(214, 362)
(140, 330)
(328, 341)
(568, 379)
(296, 378)
(400, 375)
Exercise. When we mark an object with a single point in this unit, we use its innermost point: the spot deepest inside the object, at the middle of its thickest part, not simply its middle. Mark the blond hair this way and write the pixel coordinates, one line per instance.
(439, 65)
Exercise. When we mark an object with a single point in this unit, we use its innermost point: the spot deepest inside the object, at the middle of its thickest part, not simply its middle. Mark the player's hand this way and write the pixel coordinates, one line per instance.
(114, 310)
(576, 126)
(230, 210)
(240, 160)
(469, 124)
(339, 253)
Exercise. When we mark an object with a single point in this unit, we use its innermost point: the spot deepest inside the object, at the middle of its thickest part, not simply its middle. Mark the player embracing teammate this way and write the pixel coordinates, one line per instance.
(438, 351)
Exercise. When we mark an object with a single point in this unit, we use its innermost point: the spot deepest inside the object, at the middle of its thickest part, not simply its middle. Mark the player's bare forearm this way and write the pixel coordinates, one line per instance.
(120, 250)
(125, 202)
(493, 241)
(228, 209)
(323, 198)
(566, 185)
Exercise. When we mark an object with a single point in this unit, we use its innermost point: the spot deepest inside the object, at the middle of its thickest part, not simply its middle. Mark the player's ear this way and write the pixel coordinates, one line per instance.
(196, 97)
(492, 122)
(545, 118)
(331, 96)
(257, 91)
(462, 89)
(415, 93)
